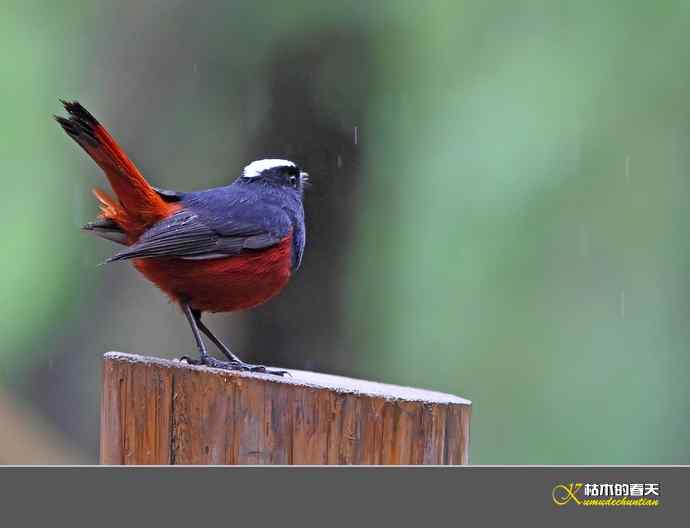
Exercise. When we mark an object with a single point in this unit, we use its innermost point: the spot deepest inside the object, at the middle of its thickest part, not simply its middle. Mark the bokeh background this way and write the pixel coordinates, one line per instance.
(499, 207)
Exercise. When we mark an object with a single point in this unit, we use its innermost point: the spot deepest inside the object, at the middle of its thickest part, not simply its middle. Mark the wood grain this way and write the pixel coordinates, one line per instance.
(157, 411)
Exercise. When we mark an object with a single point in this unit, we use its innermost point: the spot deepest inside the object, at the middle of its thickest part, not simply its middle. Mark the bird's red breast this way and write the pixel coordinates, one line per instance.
(223, 284)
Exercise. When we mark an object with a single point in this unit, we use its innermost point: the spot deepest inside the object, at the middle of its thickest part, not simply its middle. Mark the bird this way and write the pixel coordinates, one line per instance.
(223, 249)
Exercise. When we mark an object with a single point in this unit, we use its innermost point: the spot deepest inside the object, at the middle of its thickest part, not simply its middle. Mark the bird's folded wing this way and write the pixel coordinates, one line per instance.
(168, 195)
(185, 235)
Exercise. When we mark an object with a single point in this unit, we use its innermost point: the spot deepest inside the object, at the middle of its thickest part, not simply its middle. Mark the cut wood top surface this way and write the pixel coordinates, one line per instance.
(313, 380)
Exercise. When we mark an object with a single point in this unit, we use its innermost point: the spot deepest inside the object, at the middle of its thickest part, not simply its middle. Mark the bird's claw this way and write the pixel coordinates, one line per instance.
(233, 365)
(262, 369)
(190, 361)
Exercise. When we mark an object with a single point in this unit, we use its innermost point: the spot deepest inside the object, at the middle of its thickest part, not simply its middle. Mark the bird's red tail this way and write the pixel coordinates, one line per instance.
(139, 204)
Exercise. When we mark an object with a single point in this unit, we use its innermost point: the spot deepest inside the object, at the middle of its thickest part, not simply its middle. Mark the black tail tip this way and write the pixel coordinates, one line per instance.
(80, 124)
(76, 110)
(68, 125)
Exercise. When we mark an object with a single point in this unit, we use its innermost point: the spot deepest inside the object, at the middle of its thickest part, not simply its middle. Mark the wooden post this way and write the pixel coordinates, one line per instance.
(156, 411)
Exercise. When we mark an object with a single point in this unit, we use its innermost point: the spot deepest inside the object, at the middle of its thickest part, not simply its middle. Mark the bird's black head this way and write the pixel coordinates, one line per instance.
(276, 173)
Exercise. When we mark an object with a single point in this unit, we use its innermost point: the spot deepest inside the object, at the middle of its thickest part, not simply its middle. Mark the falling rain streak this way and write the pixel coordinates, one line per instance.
(627, 181)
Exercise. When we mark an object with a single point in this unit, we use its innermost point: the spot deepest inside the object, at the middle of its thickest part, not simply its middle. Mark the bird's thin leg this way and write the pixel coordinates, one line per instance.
(221, 346)
(201, 347)
(204, 358)
(234, 363)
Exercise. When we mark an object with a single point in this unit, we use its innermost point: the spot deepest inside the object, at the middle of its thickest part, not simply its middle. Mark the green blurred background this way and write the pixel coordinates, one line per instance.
(499, 207)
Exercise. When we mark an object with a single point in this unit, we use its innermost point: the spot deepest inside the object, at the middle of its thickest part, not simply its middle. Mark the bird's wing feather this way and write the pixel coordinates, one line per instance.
(186, 234)
(168, 195)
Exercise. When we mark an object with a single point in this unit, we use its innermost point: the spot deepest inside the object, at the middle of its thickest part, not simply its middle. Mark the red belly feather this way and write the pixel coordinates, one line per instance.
(223, 284)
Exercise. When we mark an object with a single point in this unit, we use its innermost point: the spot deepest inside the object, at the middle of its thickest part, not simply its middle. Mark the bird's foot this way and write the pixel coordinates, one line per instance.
(233, 365)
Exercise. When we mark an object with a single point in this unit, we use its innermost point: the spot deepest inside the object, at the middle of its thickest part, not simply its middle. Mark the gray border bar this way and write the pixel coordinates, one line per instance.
(353, 496)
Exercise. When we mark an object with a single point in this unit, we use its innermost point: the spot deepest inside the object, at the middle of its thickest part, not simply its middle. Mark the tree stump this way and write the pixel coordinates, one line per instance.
(156, 411)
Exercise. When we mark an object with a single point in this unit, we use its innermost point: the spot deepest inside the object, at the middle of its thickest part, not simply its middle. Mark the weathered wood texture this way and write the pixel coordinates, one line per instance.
(157, 411)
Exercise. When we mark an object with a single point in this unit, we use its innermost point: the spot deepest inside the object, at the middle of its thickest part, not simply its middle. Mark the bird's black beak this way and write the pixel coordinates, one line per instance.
(304, 179)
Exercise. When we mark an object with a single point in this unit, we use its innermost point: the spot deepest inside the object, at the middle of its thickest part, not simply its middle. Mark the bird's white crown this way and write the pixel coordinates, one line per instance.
(255, 168)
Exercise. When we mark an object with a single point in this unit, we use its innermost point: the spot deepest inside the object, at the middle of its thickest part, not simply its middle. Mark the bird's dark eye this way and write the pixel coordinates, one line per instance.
(293, 175)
